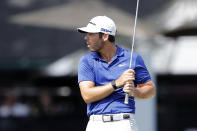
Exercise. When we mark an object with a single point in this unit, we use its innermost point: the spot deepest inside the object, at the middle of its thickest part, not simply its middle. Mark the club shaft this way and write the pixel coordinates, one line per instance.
(132, 47)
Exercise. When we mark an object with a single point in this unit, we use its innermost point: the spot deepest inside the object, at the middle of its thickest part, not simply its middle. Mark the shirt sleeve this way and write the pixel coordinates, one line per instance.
(141, 73)
(85, 70)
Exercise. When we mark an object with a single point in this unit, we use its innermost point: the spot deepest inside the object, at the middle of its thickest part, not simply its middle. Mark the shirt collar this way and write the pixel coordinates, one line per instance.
(120, 51)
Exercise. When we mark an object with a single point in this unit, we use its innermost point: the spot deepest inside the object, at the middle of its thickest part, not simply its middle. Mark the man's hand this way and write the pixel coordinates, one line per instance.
(143, 91)
(127, 77)
(129, 88)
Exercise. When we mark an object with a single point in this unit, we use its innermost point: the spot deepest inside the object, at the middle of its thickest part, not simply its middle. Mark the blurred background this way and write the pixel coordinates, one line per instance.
(40, 49)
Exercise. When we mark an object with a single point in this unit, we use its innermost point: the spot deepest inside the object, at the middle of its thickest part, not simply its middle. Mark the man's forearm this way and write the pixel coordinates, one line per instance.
(95, 93)
(144, 92)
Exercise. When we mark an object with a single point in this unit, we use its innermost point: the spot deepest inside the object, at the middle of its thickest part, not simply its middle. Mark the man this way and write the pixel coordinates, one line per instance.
(104, 77)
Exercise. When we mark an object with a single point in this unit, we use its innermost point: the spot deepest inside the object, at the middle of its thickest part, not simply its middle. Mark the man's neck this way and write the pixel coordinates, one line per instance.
(108, 52)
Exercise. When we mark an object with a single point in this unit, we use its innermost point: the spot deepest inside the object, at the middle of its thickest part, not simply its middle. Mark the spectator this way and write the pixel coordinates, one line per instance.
(13, 108)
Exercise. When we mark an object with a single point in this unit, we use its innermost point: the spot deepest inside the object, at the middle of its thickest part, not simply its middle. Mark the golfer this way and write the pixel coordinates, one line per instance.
(104, 77)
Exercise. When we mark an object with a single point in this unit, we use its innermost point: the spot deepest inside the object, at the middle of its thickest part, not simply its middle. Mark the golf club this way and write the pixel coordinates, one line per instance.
(126, 101)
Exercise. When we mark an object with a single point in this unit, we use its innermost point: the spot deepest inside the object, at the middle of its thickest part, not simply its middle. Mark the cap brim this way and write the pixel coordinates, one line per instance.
(87, 30)
(80, 30)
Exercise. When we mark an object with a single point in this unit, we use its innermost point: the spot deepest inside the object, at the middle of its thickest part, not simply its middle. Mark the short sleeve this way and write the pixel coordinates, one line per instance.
(85, 70)
(141, 73)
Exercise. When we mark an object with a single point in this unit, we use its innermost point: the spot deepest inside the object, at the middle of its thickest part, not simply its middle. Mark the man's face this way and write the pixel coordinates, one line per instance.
(94, 42)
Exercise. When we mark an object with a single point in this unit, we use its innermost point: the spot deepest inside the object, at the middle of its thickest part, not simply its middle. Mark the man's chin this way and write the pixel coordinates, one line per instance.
(92, 50)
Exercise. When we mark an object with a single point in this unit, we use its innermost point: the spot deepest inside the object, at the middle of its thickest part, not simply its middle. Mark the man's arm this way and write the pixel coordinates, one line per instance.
(143, 91)
(146, 90)
(92, 93)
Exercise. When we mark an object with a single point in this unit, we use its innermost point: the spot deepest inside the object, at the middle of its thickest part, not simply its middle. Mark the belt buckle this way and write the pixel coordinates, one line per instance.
(126, 116)
(111, 118)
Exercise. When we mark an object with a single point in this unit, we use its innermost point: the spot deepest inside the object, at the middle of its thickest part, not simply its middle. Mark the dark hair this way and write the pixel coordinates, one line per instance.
(111, 37)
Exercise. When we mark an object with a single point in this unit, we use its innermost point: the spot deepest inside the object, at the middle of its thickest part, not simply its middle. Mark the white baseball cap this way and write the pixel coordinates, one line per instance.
(99, 24)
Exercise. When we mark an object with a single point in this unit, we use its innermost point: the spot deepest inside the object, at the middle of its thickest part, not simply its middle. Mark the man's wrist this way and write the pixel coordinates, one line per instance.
(113, 83)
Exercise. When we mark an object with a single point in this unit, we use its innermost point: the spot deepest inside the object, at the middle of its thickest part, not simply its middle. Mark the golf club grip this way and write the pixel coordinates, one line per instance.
(126, 100)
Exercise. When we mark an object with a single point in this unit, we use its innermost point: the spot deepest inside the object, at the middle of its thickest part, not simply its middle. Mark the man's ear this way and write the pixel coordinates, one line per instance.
(105, 37)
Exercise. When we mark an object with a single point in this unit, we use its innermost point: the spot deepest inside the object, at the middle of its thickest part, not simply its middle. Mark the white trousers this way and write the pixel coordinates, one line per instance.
(121, 125)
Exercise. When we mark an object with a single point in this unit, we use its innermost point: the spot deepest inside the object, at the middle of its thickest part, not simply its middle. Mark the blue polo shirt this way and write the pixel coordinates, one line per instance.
(93, 68)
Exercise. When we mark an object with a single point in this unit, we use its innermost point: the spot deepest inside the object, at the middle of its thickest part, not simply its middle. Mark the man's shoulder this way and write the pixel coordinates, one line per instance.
(128, 52)
(87, 57)
(135, 56)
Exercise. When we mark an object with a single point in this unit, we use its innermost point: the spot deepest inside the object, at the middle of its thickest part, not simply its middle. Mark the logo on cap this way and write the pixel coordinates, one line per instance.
(105, 30)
